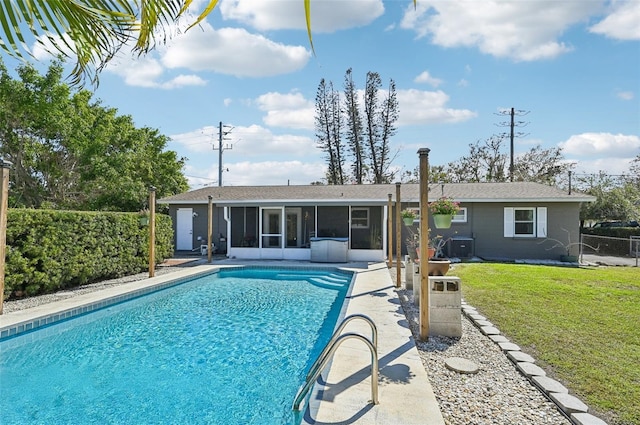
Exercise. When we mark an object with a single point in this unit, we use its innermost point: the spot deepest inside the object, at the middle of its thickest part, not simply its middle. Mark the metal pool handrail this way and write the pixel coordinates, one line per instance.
(336, 334)
(329, 350)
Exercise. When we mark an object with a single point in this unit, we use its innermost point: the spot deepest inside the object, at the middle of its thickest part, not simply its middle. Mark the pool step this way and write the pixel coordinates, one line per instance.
(324, 279)
(327, 283)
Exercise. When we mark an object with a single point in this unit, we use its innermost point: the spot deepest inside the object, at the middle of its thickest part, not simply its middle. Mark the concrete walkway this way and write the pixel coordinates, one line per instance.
(405, 394)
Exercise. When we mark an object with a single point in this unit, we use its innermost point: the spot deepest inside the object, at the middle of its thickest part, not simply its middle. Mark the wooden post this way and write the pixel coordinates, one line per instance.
(390, 232)
(398, 237)
(4, 207)
(152, 231)
(424, 243)
(209, 228)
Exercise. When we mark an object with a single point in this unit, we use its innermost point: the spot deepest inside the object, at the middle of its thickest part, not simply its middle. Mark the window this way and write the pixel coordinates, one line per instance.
(460, 216)
(525, 222)
(359, 218)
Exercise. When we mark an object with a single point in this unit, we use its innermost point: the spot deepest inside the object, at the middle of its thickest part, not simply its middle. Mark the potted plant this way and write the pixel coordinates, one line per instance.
(408, 215)
(443, 210)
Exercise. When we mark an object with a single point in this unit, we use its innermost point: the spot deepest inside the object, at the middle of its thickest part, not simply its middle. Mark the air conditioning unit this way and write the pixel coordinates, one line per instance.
(461, 247)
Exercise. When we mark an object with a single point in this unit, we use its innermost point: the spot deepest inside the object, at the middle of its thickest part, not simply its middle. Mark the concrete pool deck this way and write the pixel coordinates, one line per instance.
(405, 394)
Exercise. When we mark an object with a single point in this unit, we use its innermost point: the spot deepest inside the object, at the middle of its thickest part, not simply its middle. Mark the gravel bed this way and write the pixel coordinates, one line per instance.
(497, 394)
(24, 303)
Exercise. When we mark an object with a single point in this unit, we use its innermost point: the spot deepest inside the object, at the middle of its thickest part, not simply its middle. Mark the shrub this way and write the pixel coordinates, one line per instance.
(48, 250)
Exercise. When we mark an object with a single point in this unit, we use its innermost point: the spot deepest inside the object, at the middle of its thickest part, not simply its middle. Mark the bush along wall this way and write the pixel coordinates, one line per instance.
(48, 250)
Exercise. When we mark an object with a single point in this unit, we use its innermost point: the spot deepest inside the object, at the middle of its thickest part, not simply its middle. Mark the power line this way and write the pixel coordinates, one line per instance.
(512, 134)
(221, 147)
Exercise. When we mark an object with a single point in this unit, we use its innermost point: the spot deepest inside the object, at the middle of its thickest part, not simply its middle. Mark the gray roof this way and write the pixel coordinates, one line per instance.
(375, 194)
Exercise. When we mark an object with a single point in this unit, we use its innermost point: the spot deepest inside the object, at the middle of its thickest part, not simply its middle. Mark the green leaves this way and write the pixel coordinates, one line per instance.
(90, 31)
(70, 152)
(49, 250)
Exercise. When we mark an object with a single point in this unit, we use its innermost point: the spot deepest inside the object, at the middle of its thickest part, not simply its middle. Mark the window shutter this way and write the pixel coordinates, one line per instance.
(508, 222)
(541, 222)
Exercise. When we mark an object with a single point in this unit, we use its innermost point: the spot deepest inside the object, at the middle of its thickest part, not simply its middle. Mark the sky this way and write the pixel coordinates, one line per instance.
(571, 70)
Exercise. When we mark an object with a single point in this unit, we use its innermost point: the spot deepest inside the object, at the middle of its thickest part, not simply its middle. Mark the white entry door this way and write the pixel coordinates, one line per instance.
(184, 229)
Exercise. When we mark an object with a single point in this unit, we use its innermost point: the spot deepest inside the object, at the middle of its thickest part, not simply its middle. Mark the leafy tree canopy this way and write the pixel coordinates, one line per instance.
(69, 152)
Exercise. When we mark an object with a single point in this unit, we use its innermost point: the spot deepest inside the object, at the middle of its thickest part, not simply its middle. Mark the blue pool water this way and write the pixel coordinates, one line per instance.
(228, 348)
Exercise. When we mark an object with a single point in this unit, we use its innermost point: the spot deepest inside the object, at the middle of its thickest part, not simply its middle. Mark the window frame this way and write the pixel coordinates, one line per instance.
(460, 218)
(539, 222)
(355, 221)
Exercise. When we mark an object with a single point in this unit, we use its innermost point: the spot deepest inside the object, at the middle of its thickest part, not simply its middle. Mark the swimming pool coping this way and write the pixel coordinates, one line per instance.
(21, 321)
(18, 322)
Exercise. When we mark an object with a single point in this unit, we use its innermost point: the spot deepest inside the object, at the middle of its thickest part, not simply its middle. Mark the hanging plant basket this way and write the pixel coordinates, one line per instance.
(408, 221)
(144, 221)
(442, 221)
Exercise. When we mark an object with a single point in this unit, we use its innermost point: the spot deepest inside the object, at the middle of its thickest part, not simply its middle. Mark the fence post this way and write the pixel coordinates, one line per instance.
(4, 207)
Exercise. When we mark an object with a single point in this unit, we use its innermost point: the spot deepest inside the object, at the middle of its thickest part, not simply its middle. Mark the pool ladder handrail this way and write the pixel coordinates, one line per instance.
(336, 339)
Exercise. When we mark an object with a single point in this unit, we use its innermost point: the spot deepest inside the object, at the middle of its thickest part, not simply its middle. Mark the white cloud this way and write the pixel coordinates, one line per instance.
(623, 23)
(290, 110)
(611, 166)
(43, 49)
(251, 141)
(199, 140)
(233, 51)
(625, 95)
(522, 31)
(147, 71)
(326, 16)
(183, 80)
(425, 77)
(426, 107)
(257, 141)
(602, 145)
(136, 71)
(266, 173)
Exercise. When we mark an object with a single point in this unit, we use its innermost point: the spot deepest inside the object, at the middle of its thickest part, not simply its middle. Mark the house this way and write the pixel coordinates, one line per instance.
(496, 220)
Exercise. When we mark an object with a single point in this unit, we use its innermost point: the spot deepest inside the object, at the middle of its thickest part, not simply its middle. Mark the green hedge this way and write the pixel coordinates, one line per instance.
(48, 250)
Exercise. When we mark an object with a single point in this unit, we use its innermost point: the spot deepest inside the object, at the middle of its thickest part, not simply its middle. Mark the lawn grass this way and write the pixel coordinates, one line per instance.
(581, 324)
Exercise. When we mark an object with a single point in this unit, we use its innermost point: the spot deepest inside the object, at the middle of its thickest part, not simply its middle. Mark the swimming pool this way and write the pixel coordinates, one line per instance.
(232, 347)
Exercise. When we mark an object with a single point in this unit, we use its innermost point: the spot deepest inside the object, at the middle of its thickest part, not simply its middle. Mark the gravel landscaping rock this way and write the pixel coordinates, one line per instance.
(497, 394)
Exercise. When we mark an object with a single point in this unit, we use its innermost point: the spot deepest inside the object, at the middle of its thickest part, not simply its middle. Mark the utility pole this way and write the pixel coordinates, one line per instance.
(512, 134)
(221, 148)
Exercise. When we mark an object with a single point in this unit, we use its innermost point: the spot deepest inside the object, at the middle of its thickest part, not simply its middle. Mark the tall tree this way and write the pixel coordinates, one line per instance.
(354, 130)
(372, 123)
(70, 153)
(380, 118)
(388, 119)
(328, 131)
(369, 131)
